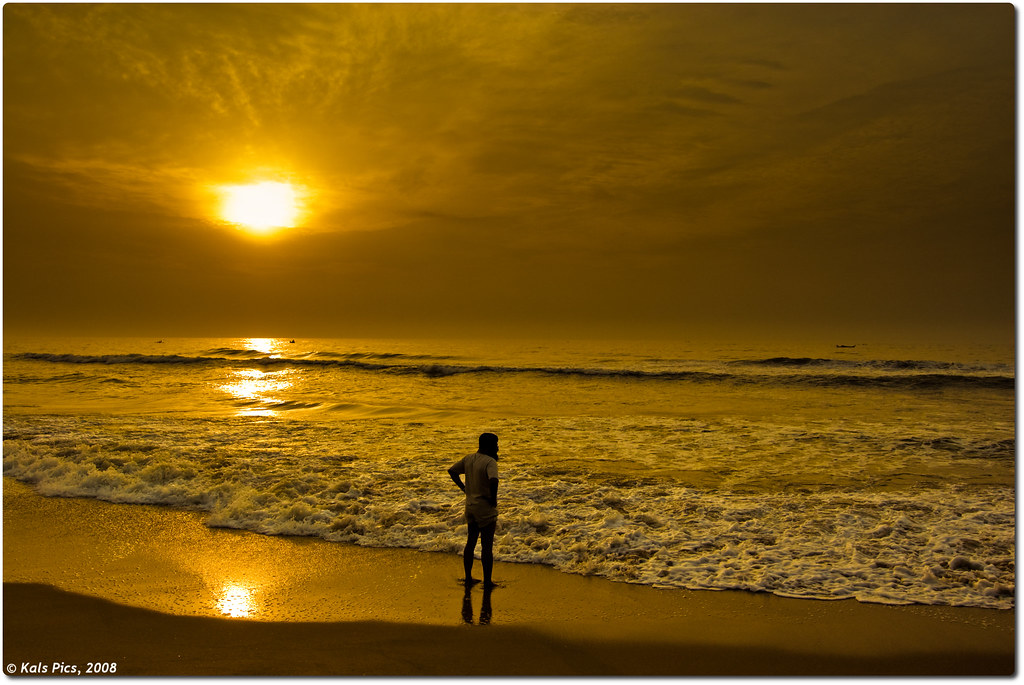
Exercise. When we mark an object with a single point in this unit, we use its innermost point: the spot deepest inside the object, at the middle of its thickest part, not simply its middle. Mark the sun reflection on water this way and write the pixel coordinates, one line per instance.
(255, 389)
(237, 601)
(272, 347)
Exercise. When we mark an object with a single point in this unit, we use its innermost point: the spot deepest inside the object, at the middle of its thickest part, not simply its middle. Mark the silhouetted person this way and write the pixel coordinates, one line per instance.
(481, 488)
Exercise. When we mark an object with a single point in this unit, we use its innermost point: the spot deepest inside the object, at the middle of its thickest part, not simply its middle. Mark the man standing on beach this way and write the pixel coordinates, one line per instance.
(481, 488)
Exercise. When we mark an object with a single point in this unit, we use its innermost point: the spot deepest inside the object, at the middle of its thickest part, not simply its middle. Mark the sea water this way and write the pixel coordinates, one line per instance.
(881, 473)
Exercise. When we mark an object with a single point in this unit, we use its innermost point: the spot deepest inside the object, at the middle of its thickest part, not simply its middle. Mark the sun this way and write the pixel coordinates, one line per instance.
(260, 207)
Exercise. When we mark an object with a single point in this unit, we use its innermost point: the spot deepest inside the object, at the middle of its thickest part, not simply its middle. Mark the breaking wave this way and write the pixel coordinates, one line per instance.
(905, 375)
(944, 545)
(872, 364)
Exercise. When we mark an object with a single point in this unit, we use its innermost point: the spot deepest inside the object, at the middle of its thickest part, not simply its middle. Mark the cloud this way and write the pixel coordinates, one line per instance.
(593, 144)
(707, 95)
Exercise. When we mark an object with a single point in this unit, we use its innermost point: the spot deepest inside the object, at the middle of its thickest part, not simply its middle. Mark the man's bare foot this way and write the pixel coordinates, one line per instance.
(490, 585)
(470, 581)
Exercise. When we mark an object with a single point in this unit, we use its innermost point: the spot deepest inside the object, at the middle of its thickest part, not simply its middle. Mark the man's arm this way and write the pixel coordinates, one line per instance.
(454, 473)
(494, 491)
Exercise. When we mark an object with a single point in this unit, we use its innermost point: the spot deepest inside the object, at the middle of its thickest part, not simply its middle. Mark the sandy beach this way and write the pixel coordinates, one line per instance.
(156, 592)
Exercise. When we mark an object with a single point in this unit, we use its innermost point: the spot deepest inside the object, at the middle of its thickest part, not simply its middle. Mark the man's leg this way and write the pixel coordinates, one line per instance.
(467, 554)
(486, 551)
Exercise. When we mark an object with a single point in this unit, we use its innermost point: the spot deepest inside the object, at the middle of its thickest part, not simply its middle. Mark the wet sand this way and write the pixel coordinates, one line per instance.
(155, 591)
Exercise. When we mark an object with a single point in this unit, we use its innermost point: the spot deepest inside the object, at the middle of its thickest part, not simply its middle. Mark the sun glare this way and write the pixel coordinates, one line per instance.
(237, 601)
(260, 207)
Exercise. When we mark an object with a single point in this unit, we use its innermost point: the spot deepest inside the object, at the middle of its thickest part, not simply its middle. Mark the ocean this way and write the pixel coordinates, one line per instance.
(877, 472)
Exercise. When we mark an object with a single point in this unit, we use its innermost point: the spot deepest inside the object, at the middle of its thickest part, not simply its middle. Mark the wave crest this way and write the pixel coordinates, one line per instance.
(904, 375)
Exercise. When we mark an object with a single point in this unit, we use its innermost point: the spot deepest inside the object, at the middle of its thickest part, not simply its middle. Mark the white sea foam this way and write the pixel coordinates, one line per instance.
(937, 545)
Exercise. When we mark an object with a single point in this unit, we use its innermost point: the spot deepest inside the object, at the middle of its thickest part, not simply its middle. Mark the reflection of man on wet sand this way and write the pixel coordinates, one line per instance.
(481, 488)
(485, 609)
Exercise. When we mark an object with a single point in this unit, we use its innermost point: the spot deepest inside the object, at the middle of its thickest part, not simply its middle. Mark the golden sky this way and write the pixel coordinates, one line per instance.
(708, 169)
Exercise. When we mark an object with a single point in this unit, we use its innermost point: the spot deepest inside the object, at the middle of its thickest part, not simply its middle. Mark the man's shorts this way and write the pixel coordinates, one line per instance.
(480, 522)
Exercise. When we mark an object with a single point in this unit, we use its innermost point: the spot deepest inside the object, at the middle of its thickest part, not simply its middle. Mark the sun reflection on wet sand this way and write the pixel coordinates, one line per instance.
(237, 601)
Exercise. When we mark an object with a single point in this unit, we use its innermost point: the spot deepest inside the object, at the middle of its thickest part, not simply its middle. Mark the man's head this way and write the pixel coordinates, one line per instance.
(489, 444)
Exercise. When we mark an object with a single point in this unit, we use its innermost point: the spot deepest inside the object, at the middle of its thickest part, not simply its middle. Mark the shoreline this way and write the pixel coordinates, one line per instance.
(151, 588)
